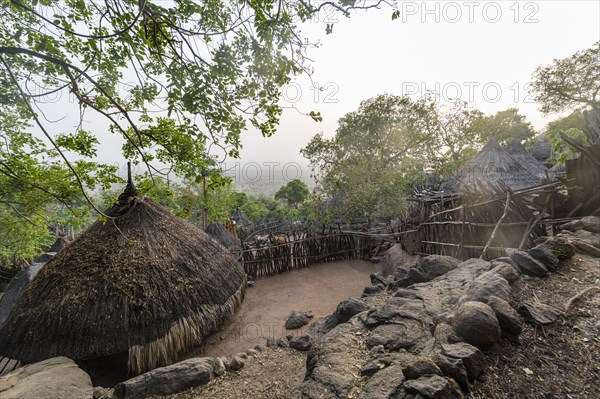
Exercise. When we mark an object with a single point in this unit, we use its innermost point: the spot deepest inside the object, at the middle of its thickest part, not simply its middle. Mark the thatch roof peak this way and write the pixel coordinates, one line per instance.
(130, 191)
(523, 157)
(146, 283)
(489, 167)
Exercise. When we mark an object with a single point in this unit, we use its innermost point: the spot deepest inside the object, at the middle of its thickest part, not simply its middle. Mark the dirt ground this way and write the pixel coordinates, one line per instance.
(267, 305)
(561, 360)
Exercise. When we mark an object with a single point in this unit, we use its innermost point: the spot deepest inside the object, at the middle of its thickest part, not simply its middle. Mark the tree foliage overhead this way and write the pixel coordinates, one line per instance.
(173, 78)
(569, 83)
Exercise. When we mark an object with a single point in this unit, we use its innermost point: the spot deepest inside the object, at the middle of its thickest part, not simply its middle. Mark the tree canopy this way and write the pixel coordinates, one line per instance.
(569, 83)
(293, 193)
(505, 126)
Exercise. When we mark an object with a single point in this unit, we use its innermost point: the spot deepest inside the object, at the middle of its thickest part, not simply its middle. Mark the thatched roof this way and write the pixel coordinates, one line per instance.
(520, 154)
(220, 234)
(145, 282)
(491, 167)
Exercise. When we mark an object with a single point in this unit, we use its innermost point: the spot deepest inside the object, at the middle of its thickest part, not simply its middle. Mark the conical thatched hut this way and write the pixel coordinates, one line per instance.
(143, 283)
(491, 166)
(516, 150)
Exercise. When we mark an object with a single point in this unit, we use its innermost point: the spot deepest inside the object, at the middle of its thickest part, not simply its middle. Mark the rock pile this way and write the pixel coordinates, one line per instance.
(418, 333)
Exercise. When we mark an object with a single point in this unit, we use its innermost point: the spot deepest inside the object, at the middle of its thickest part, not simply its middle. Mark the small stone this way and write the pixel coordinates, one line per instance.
(252, 352)
(271, 341)
(236, 363)
(543, 254)
(419, 367)
(260, 348)
(528, 265)
(243, 355)
(373, 290)
(539, 314)
(296, 320)
(433, 387)
(453, 368)
(372, 367)
(283, 342)
(225, 362)
(302, 343)
(511, 324)
(477, 324)
(471, 357)
(509, 272)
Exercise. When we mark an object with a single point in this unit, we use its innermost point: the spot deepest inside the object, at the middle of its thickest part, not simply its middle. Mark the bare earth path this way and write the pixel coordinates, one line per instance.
(268, 304)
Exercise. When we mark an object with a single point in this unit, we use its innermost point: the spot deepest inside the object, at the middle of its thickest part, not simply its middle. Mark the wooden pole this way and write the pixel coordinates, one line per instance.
(497, 226)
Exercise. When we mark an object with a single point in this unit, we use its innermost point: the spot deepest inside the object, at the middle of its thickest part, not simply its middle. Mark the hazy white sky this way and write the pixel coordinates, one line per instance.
(482, 51)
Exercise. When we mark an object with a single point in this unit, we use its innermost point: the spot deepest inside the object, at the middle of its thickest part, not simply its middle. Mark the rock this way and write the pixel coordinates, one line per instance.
(404, 334)
(421, 366)
(296, 320)
(373, 290)
(424, 270)
(283, 342)
(406, 293)
(372, 367)
(100, 393)
(543, 254)
(433, 387)
(511, 324)
(55, 378)
(271, 341)
(453, 368)
(384, 384)
(377, 279)
(236, 363)
(528, 265)
(260, 348)
(591, 223)
(395, 310)
(559, 245)
(509, 272)
(441, 333)
(251, 352)
(225, 362)
(396, 257)
(243, 355)
(588, 223)
(486, 285)
(14, 289)
(471, 357)
(344, 311)
(477, 324)
(45, 258)
(301, 343)
(220, 365)
(539, 314)
(168, 380)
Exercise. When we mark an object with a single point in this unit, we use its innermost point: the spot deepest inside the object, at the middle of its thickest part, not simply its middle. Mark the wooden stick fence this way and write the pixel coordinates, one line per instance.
(312, 249)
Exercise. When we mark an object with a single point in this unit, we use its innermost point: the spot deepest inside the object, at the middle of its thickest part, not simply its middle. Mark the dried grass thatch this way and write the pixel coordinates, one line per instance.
(146, 283)
(492, 166)
(219, 233)
(516, 150)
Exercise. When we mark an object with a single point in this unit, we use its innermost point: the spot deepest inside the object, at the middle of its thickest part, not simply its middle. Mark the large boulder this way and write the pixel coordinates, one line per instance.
(477, 324)
(508, 270)
(559, 245)
(486, 285)
(171, 379)
(528, 265)
(384, 384)
(55, 378)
